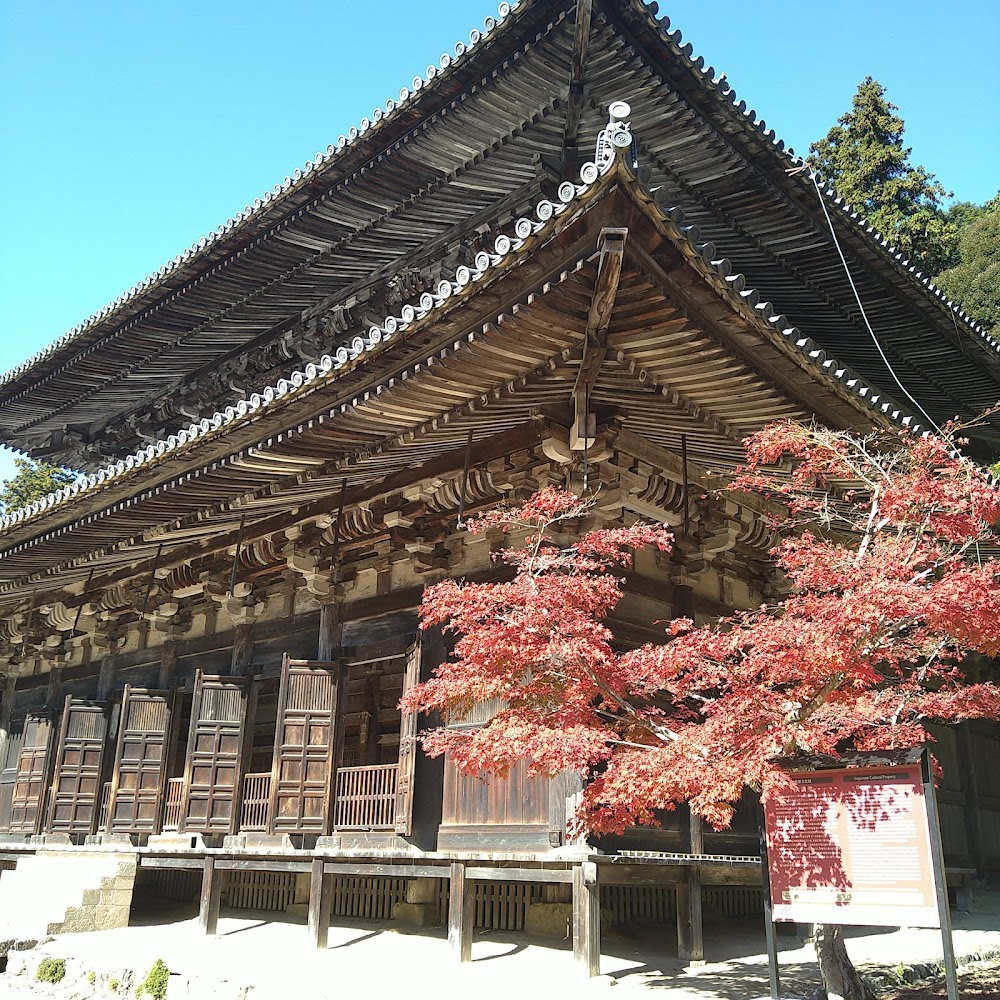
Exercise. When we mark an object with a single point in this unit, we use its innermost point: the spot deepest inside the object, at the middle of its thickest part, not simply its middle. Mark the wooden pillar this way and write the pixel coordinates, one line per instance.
(461, 912)
(587, 918)
(54, 690)
(6, 710)
(331, 632)
(242, 649)
(970, 789)
(690, 929)
(320, 903)
(211, 894)
(106, 675)
(168, 665)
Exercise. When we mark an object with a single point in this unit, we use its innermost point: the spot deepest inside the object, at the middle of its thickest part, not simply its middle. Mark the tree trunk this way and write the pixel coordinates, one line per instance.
(840, 978)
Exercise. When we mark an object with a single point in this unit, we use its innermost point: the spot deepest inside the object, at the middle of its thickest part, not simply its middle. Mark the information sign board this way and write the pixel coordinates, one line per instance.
(852, 846)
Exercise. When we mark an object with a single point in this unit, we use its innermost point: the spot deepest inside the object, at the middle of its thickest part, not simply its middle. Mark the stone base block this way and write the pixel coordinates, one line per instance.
(551, 920)
(415, 916)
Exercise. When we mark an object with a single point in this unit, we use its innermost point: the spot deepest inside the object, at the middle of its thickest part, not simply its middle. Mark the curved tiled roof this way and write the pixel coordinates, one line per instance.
(724, 92)
(281, 191)
(719, 87)
(713, 264)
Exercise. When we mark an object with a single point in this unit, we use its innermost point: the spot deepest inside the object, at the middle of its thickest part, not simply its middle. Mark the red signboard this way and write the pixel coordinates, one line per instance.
(852, 846)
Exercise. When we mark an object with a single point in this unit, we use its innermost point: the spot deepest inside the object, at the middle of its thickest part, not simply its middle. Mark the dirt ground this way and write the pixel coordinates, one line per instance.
(259, 957)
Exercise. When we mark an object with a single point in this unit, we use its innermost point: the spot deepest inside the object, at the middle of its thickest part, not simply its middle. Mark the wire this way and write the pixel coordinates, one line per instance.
(864, 315)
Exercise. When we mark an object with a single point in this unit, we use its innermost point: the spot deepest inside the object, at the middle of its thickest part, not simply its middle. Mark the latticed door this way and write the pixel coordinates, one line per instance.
(215, 752)
(76, 785)
(304, 746)
(407, 747)
(28, 799)
(140, 761)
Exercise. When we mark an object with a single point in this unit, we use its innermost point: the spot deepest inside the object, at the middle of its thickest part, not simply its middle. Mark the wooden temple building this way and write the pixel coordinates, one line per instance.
(569, 252)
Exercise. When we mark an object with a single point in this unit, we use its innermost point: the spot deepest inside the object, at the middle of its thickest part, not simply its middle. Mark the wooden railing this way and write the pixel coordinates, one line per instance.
(172, 808)
(102, 815)
(256, 801)
(366, 797)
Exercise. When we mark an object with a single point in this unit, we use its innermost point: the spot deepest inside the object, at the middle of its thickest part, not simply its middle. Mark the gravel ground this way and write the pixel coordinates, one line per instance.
(258, 957)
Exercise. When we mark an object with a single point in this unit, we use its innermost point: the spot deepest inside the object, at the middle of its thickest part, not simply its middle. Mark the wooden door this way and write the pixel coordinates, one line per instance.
(28, 799)
(407, 747)
(304, 746)
(215, 754)
(76, 785)
(8, 770)
(140, 761)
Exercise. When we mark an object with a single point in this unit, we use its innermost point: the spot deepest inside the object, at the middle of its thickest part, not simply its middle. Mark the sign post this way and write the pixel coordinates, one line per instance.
(857, 842)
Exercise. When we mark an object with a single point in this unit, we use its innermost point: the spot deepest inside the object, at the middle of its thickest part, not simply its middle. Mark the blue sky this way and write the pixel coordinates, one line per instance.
(131, 129)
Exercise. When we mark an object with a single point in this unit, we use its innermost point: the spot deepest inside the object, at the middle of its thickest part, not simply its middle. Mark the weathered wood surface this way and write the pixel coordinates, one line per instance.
(587, 919)
(461, 913)
(211, 896)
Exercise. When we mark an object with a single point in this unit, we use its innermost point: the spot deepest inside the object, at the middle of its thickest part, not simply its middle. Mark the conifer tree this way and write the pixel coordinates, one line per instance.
(864, 159)
(31, 482)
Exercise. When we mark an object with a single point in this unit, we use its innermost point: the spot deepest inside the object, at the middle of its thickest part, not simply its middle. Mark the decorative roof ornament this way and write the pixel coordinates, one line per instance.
(615, 136)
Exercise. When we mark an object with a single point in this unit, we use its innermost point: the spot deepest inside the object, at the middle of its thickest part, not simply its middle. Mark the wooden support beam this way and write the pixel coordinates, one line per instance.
(168, 665)
(391, 870)
(545, 875)
(690, 929)
(331, 632)
(970, 790)
(461, 911)
(242, 650)
(587, 919)
(211, 894)
(320, 903)
(611, 246)
(574, 103)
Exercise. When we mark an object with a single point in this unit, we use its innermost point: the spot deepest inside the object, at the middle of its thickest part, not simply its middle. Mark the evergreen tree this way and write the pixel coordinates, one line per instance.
(31, 482)
(973, 280)
(865, 159)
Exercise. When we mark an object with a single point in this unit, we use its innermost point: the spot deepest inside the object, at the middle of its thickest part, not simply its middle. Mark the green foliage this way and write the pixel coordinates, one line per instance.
(91, 977)
(51, 970)
(32, 481)
(974, 279)
(864, 158)
(155, 983)
(114, 985)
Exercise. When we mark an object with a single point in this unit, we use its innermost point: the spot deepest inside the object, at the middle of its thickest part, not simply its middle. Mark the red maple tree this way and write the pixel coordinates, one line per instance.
(888, 551)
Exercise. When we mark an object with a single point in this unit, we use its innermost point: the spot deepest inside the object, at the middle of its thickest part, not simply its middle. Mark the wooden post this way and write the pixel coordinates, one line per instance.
(211, 894)
(331, 632)
(242, 649)
(461, 911)
(54, 691)
(587, 918)
(6, 709)
(320, 903)
(690, 930)
(168, 665)
(970, 790)
(106, 675)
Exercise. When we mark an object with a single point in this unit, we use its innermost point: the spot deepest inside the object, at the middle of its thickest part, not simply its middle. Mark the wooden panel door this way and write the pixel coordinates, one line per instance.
(215, 754)
(28, 800)
(76, 785)
(8, 770)
(304, 745)
(407, 747)
(140, 761)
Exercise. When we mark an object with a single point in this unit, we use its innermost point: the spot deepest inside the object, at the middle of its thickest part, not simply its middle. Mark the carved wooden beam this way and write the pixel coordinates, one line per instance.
(611, 247)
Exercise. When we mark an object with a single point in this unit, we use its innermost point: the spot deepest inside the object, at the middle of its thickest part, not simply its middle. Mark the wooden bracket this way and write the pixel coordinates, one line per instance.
(611, 247)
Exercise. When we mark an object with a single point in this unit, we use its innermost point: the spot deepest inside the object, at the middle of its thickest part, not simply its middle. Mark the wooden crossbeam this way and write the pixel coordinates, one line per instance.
(611, 247)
